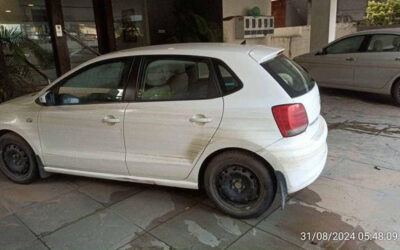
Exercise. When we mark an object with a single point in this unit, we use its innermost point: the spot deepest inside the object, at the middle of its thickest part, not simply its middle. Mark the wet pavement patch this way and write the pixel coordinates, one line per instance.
(200, 228)
(307, 226)
(387, 130)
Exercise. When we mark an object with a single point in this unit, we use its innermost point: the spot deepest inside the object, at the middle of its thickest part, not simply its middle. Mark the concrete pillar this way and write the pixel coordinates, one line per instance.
(309, 4)
(323, 22)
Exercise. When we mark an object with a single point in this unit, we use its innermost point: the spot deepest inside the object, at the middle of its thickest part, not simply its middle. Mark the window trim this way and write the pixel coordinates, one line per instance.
(360, 49)
(130, 63)
(144, 62)
(216, 63)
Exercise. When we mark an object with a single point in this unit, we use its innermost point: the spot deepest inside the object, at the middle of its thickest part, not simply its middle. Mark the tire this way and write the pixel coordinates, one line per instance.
(396, 92)
(17, 159)
(240, 184)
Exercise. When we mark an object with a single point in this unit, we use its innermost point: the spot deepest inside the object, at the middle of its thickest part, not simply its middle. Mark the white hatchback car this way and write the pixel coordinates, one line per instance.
(238, 120)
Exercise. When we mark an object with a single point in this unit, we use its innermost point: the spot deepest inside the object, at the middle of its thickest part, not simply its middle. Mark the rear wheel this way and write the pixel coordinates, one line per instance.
(17, 160)
(239, 184)
(396, 92)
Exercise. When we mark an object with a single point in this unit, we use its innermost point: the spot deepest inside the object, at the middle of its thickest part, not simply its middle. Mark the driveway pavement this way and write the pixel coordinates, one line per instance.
(359, 191)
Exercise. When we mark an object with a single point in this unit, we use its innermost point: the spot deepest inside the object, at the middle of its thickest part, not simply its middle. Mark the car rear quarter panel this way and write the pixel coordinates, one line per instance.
(247, 121)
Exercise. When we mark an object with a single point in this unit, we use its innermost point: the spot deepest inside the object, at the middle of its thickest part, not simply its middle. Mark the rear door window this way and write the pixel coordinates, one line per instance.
(384, 43)
(229, 82)
(293, 78)
(170, 78)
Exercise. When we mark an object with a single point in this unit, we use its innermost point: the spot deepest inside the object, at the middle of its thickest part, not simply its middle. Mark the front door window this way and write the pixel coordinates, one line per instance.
(101, 83)
(347, 45)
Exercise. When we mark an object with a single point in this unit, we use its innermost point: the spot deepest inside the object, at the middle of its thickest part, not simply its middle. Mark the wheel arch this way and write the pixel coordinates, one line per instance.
(204, 164)
(42, 172)
(6, 131)
(396, 80)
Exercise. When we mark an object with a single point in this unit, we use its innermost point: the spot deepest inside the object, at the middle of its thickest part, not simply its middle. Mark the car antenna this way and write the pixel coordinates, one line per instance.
(243, 43)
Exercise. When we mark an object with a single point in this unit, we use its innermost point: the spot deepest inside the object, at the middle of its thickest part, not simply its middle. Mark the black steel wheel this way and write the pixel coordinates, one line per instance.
(240, 184)
(17, 160)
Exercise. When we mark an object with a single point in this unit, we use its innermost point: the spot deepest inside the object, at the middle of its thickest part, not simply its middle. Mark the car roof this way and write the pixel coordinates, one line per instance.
(378, 31)
(214, 50)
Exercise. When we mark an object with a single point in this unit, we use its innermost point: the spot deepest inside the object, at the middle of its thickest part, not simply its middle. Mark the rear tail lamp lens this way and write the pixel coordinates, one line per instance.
(291, 119)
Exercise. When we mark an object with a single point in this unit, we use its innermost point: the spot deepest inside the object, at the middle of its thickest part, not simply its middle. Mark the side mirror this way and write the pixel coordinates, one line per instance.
(48, 98)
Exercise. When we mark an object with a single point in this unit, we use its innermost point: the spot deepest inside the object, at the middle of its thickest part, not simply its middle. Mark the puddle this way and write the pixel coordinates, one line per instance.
(228, 225)
(308, 217)
(386, 130)
(201, 234)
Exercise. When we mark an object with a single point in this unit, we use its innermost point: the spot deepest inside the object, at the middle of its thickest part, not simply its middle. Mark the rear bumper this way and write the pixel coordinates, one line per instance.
(302, 158)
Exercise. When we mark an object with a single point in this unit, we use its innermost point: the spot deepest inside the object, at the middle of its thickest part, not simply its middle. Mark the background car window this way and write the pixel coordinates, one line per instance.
(384, 43)
(348, 45)
(99, 84)
(229, 83)
(177, 79)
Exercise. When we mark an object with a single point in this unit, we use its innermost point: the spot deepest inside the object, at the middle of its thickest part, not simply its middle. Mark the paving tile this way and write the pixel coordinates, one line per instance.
(35, 245)
(4, 182)
(258, 239)
(102, 230)
(19, 196)
(13, 234)
(149, 208)
(300, 218)
(47, 216)
(342, 198)
(109, 192)
(386, 214)
(331, 163)
(146, 241)
(200, 228)
(367, 176)
(381, 151)
(346, 144)
(3, 211)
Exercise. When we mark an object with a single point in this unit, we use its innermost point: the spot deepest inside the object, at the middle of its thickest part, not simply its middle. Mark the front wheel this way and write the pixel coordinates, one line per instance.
(17, 160)
(239, 184)
(396, 92)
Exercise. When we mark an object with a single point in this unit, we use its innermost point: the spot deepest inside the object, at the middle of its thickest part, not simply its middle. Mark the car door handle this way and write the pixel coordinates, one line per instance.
(350, 59)
(397, 59)
(200, 119)
(111, 119)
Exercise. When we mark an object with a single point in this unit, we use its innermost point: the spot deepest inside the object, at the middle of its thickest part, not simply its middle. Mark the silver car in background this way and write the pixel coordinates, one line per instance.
(366, 61)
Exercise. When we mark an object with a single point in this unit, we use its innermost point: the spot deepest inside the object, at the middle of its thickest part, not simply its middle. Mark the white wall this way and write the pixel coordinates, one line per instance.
(296, 40)
(233, 8)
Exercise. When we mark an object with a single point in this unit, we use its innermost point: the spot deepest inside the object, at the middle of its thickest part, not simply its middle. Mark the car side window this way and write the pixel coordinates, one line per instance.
(384, 43)
(177, 78)
(347, 45)
(99, 83)
(228, 81)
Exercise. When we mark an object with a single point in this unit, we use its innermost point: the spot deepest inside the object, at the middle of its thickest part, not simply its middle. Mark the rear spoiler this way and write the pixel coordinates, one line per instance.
(263, 53)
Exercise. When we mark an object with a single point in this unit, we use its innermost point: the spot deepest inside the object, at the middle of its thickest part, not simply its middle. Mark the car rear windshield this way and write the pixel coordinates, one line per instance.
(293, 78)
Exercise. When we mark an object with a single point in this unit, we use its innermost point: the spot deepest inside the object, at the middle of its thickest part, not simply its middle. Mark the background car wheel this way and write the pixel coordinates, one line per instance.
(396, 92)
(239, 184)
(17, 160)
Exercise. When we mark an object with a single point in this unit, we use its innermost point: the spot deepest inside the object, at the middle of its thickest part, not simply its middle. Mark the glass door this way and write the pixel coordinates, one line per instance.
(130, 23)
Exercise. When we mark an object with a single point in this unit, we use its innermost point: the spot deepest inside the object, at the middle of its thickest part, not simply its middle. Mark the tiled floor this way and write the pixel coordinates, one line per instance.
(359, 191)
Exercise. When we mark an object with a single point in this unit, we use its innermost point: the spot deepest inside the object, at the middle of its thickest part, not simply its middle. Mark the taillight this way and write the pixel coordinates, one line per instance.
(291, 119)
